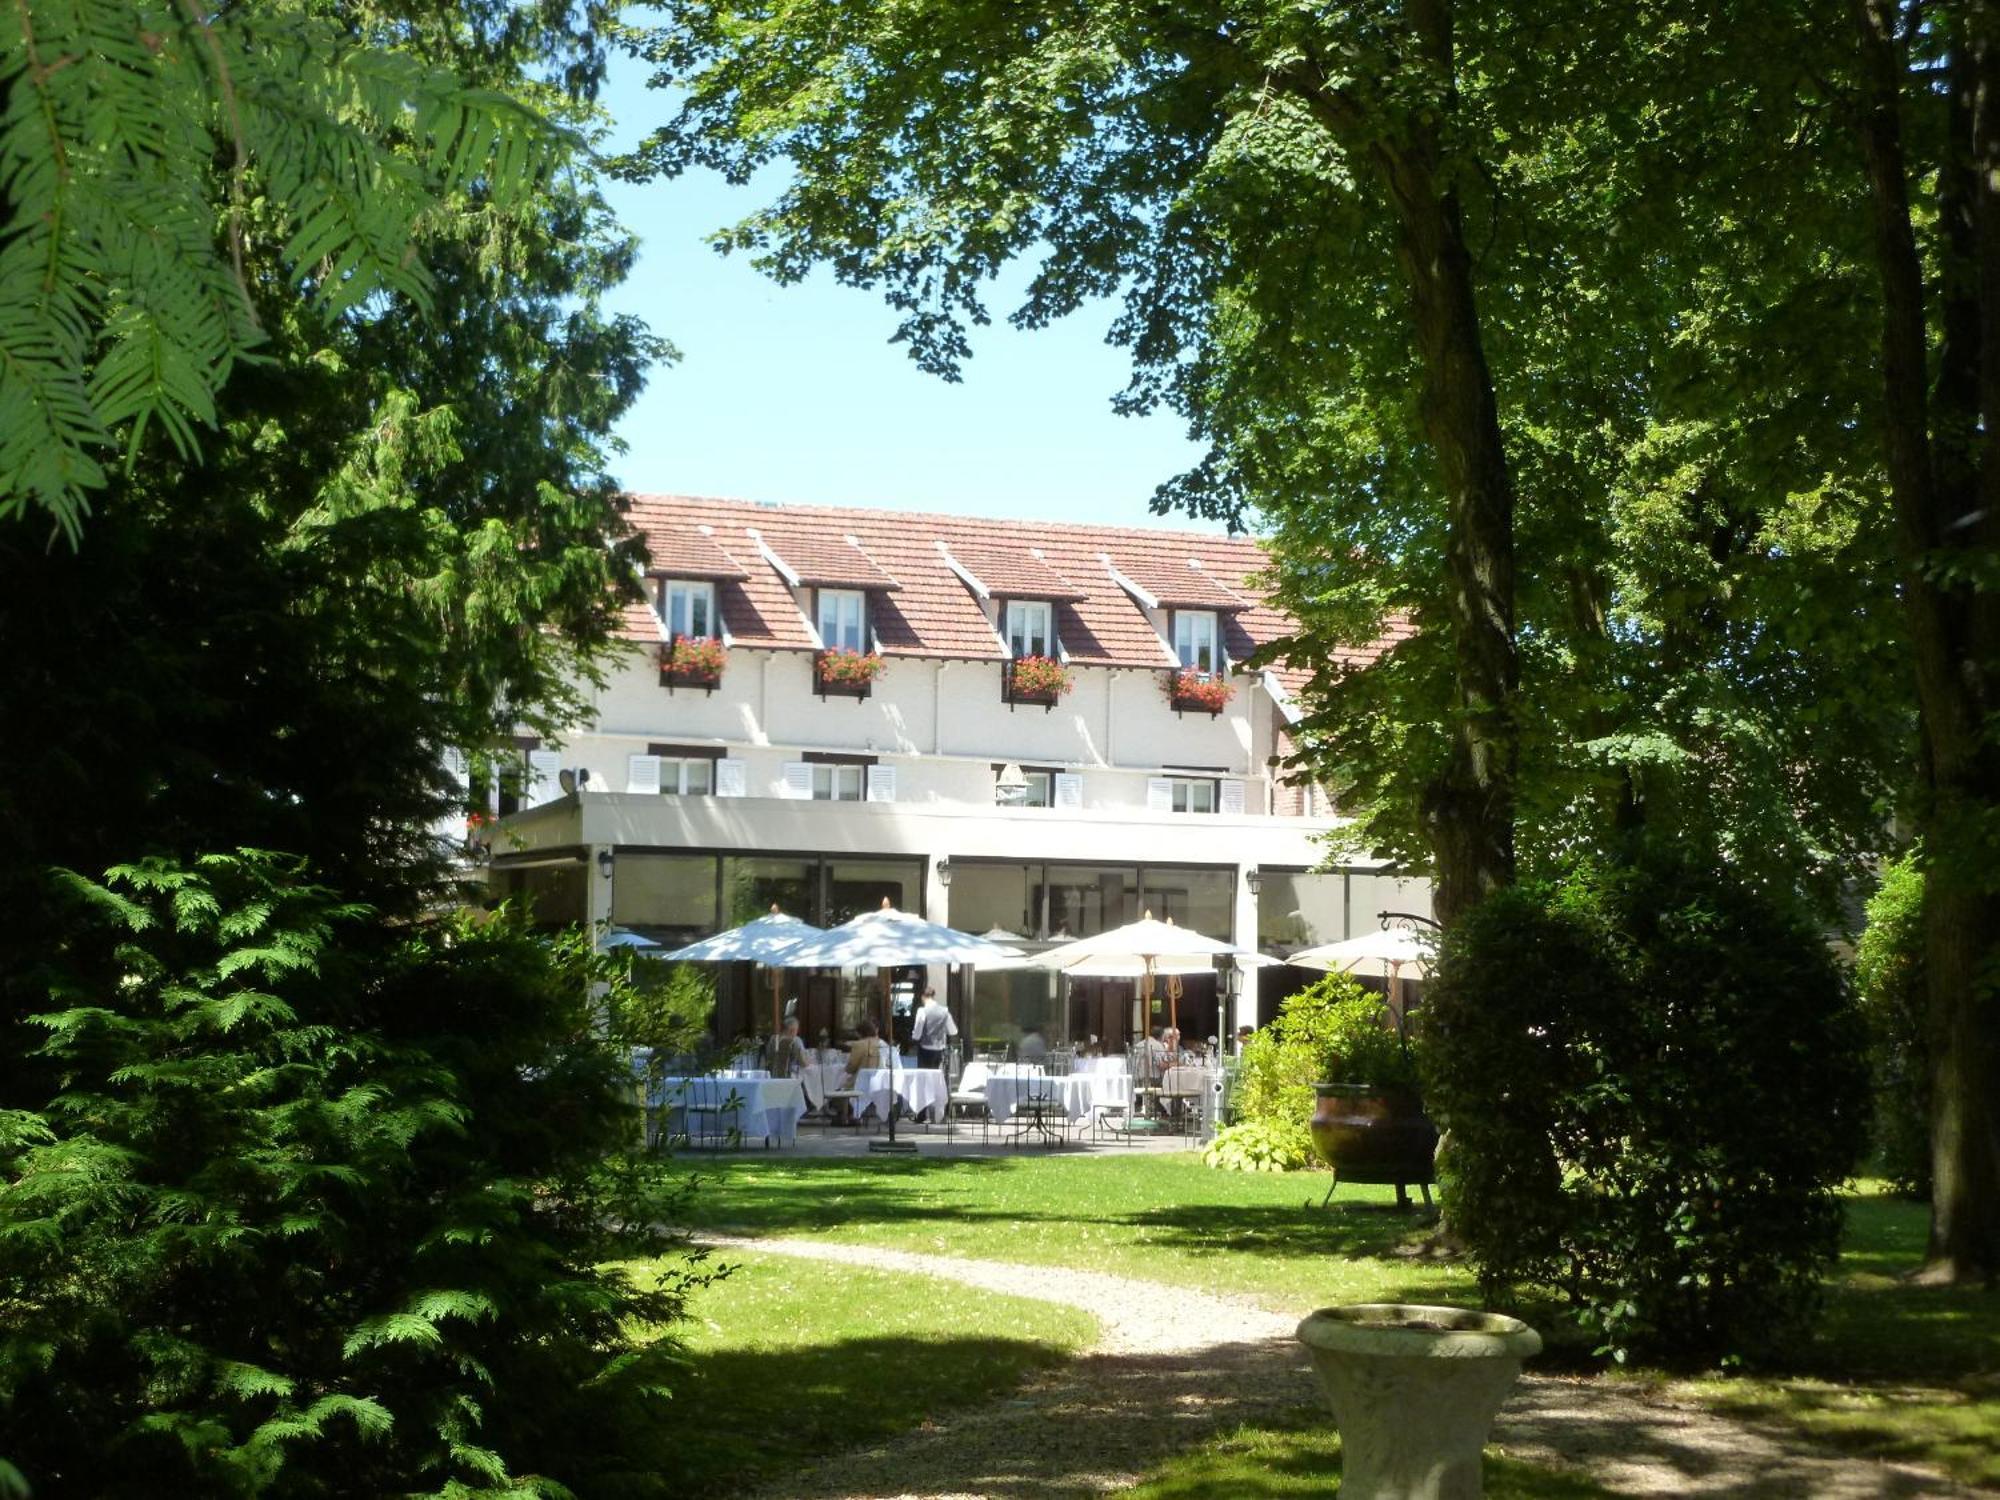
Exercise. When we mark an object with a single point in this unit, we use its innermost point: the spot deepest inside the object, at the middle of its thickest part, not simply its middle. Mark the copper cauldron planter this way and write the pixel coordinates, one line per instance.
(1414, 1391)
(1370, 1134)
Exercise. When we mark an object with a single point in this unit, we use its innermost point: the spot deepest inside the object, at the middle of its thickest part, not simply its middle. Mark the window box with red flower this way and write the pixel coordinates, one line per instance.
(1199, 692)
(693, 661)
(1034, 679)
(844, 672)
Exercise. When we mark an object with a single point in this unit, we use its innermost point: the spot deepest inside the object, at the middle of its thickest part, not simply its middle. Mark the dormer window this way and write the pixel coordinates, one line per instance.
(843, 619)
(1030, 628)
(1195, 640)
(688, 608)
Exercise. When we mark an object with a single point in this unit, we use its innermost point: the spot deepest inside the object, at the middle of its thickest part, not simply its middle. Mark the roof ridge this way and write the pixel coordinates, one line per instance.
(786, 507)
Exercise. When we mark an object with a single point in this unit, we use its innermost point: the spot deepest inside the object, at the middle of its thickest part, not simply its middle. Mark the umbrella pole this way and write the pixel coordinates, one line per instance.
(777, 1020)
(889, 1031)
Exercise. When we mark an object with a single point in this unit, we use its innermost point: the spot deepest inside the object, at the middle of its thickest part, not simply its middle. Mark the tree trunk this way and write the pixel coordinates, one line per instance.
(1944, 486)
(1468, 810)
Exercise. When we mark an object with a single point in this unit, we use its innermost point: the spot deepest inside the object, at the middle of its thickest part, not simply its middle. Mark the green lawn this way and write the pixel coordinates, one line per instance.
(791, 1359)
(1164, 1218)
(1897, 1371)
(1894, 1370)
(1302, 1457)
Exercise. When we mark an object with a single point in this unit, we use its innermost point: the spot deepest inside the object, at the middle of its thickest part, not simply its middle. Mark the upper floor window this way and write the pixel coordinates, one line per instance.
(1031, 628)
(839, 783)
(690, 608)
(688, 778)
(843, 619)
(1195, 640)
(1191, 796)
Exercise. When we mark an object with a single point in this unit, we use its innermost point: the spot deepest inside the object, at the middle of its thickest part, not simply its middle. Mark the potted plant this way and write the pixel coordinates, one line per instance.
(692, 661)
(1205, 692)
(1368, 1123)
(839, 667)
(1037, 679)
(1414, 1391)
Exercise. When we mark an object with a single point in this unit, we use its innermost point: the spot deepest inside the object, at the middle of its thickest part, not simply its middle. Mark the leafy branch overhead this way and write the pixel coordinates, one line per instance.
(124, 301)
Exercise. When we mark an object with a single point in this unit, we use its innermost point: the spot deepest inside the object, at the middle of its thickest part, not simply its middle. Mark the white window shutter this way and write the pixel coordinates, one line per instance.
(1159, 794)
(729, 779)
(458, 769)
(1232, 796)
(544, 766)
(642, 774)
(798, 780)
(1068, 789)
(881, 783)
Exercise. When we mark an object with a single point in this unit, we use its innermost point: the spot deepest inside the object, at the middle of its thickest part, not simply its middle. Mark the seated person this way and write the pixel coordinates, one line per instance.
(868, 1051)
(1152, 1056)
(785, 1055)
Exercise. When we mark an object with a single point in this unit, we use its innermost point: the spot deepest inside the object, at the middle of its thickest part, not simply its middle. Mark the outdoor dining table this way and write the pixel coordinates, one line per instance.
(818, 1079)
(920, 1089)
(977, 1073)
(1073, 1093)
(766, 1106)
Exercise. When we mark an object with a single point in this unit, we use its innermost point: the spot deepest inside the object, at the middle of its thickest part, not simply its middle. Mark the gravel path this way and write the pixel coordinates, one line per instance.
(1173, 1369)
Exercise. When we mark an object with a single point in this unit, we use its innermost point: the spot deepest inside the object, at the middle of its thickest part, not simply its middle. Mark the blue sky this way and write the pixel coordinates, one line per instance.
(795, 394)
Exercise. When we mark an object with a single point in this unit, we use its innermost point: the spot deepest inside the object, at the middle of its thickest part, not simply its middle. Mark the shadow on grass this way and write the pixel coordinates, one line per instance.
(744, 1416)
(1348, 1230)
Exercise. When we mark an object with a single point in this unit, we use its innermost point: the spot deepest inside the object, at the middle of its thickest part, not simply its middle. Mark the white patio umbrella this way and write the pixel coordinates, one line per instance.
(1145, 948)
(1380, 955)
(884, 939)
(763, 941)
(624, 937)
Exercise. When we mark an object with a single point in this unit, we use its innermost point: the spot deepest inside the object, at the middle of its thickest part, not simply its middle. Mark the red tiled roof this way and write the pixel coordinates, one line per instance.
(1177, 582)
(691, 552)
(1017, 573)
(920, 607)
(834, 562)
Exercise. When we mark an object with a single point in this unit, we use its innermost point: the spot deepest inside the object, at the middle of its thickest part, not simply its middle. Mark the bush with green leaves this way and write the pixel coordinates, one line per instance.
(1258, 1146)
(258, 1244)
(1332, 1029)
(1653, 1081)
(1889, 977)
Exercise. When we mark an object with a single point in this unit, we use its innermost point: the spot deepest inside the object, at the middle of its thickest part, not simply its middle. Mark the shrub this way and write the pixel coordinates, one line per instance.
(1889, 977)
(1256, 1146)
(1283, 1061)
(325, 1204)
(1653, 1082)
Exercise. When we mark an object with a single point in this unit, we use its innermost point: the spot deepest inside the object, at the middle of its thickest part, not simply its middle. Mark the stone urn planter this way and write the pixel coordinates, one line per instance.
(1371, 1134)
(1414, 1390)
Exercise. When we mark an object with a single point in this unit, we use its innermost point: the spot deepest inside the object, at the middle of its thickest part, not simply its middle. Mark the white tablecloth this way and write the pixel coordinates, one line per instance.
(919, 1089)
(817, 1078)
(770, 1107)
(977, 1073)
(1073, 1093)
(1103, 1065)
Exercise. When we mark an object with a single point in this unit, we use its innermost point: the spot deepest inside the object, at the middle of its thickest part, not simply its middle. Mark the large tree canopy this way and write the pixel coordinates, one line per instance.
(121, 306)
(1620, 451)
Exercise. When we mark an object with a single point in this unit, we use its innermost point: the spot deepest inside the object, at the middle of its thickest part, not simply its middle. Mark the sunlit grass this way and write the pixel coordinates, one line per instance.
(791, 1360)
(1301, 1456)
(1159, 1218)
(1894, 1370)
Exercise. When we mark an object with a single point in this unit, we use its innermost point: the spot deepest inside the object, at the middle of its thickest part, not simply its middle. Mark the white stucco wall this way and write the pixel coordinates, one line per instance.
(943, 724)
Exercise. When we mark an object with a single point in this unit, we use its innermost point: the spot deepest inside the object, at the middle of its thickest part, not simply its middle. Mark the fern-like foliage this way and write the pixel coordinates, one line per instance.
(123, 304)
